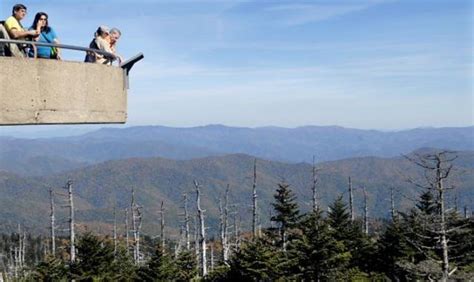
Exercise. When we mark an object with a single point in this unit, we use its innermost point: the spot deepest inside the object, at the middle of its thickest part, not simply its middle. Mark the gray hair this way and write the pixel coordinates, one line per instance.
(115, 30)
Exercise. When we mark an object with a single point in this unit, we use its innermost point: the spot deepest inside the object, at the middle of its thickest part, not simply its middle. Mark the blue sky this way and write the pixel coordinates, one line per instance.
(362, 64)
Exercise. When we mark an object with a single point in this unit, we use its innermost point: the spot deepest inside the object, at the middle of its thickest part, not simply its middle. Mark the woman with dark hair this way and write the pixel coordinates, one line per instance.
(46, 35)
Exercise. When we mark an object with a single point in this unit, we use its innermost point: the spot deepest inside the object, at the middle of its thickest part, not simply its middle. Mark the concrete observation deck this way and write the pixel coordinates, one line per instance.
(38, 91)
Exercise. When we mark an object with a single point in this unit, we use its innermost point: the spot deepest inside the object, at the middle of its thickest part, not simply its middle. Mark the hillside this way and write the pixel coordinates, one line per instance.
(43, 156)
(99, 187)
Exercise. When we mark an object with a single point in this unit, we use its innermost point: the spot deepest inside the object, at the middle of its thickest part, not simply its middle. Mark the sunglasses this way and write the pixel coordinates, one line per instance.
(43, 19)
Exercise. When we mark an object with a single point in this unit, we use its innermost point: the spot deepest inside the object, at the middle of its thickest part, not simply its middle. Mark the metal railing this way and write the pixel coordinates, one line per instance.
(34, 44)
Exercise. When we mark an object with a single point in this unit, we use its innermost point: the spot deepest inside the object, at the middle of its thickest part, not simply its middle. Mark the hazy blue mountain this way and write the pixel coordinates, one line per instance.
(101, 186)
(298, 144)
(272, 143)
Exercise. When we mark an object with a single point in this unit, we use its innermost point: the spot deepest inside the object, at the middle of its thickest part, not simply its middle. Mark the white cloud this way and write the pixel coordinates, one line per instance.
(297, 14)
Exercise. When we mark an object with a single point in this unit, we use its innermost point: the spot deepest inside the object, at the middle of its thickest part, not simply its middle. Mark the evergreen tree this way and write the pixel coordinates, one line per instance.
(94, 258)
(286, 212)
(123, 267)
(427, 204)
(340, 222)
(393, 248)
(320, 254)
(342, 228)
(355, 245)
(160, 267)
(186, 266)
(256, 260)
(218, 274)
(51, 269)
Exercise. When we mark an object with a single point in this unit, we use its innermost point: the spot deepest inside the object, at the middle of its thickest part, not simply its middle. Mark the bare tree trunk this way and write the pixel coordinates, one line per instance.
(366, 213)
(53, 236)
(254, 198)
(224, 232)
(72, 235)
(237, 221)
(135, 227)
(351, 200)
(186, 222)
(202, 235)
(127, 232)
(137, 245)
(392, 205)
(23, 251)
(444, 241)
(162, 226)
(197, 249)
(314, 187)
(20, 248)
(115, 232)
(440, 165)
(19, 256)
(136, 223)
(16, 262)
(212, 257)
(221, 225)
(177, 248)
(12, 263)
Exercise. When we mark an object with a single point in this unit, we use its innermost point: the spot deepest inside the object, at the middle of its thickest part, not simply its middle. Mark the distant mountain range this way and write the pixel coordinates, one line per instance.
(44, 156)
(100, 187)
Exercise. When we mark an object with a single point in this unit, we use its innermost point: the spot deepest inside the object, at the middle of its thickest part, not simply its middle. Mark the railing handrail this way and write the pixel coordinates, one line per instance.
(62, 46)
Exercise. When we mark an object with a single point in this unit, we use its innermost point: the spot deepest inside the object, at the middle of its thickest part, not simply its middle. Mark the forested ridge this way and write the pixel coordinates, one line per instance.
(100, 187)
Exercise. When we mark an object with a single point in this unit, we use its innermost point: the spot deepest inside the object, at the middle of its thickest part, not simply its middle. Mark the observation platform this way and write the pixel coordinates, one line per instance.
(42, 91)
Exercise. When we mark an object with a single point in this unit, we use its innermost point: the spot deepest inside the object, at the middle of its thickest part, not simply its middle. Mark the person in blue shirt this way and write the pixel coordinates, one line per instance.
(47, 35)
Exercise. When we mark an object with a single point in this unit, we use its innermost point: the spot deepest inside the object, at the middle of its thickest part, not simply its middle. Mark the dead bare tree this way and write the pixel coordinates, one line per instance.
(127, 230)
(162, 226)
(137, 224)
(237, 221)
(224, 233)
(115, 232)
(72, 235)
(23, 251)
(186, 221)
(314, 187)
(12, 265)
(392, 205)
(197, 249)
(254, 200)
(202, 229)
(16, 262)
(184, 228)
(52, 227)
(20, 255)
(437, 168)
(351, 200)
(366, 212)
(212, 257)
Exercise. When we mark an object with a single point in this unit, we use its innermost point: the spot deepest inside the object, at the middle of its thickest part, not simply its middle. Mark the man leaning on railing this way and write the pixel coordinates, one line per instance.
(13, 29)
